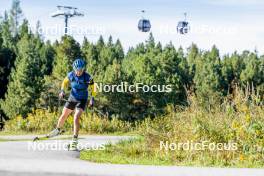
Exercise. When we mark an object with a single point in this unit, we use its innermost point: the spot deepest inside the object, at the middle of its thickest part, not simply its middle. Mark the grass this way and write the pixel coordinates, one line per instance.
(8, 133)
(30, 139)
(15, 140)
(240, 123)
(238, 119)
(125, 152)
(42, 121)
(135, 151)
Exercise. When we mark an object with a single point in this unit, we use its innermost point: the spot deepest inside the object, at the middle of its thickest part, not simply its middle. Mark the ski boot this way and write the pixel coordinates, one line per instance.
(53, 133)
(73, 146)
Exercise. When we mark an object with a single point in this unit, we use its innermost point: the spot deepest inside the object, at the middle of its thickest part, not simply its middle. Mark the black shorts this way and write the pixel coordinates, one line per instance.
(73, 103)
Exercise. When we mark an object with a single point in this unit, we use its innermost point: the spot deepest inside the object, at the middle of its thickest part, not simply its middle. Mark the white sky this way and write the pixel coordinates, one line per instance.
(229, 24)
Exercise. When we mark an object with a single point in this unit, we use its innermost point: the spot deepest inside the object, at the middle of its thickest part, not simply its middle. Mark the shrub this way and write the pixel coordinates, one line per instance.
(43, 121)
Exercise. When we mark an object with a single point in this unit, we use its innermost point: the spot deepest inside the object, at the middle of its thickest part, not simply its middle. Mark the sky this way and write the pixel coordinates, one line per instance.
(231, 25)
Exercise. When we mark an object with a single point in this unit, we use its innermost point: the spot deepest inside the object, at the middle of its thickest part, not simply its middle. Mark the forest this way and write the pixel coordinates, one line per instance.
(32, 69)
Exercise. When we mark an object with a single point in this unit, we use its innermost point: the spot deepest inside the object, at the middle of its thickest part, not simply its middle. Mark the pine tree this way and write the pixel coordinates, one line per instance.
(38, 32)
(150, 43)
(154, 68)
(119, 51)
(100, 43)
(232, 67)
(25, 84)
(251, 73)
(7, 56)
(24, 29)
(104, 63)
(47, 57)
(66, 52)
(91, 56)
(192, 56)
(15, 16)
(208, 79)
(8, 40)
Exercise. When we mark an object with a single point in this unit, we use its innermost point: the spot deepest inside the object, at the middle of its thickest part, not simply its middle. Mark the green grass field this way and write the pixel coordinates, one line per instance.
(242, 126)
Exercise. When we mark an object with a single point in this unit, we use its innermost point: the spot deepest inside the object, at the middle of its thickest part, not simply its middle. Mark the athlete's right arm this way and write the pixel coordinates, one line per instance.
(65, 84)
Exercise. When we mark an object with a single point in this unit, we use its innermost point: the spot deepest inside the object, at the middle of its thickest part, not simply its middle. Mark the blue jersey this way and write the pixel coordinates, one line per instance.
(79, 85)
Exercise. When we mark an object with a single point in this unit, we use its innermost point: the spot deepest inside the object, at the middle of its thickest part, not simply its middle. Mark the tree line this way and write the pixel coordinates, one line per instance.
(31, 71)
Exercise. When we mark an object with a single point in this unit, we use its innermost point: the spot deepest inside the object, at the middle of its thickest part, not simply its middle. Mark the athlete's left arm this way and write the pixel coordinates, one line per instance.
(91, 88)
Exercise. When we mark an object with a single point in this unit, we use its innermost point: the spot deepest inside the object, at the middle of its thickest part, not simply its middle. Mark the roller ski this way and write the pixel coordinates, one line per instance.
(73, 146)
(52, 134)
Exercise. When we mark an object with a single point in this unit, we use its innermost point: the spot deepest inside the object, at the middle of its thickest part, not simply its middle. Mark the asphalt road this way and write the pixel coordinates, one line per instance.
(48, 158)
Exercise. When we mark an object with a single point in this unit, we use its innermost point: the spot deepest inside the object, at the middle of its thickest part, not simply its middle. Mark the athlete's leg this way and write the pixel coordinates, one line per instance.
(73, 145)
(64, 115)
(77, 115)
